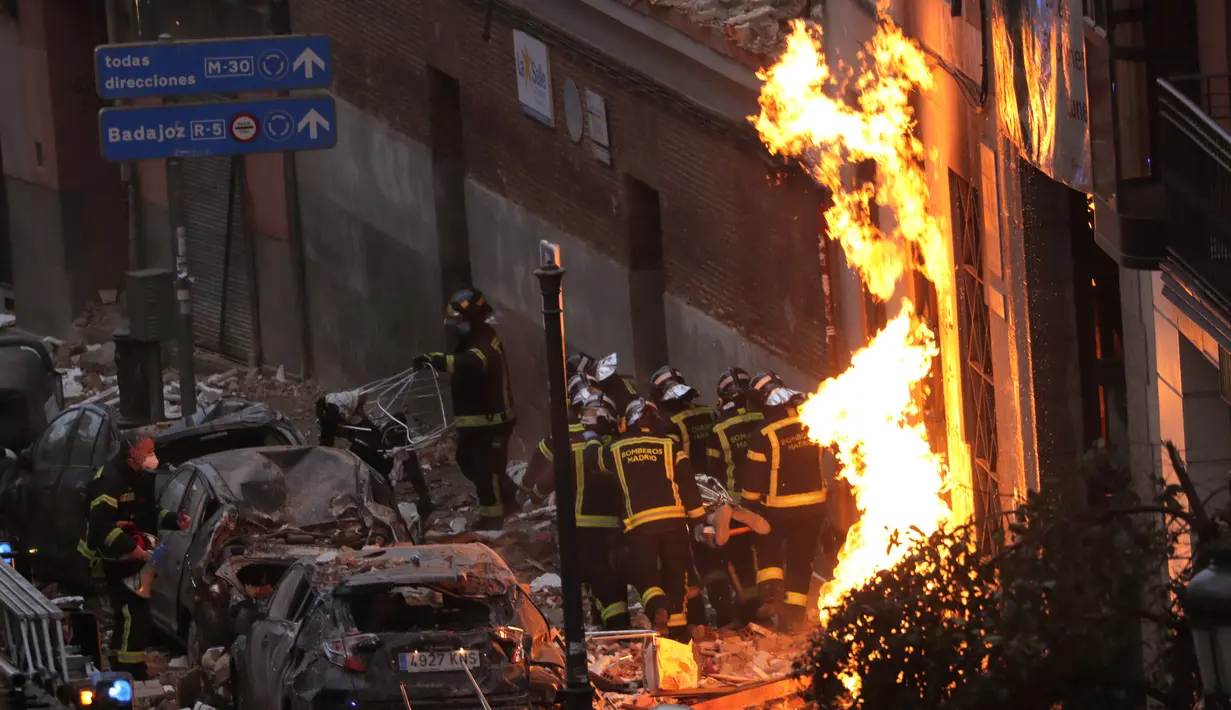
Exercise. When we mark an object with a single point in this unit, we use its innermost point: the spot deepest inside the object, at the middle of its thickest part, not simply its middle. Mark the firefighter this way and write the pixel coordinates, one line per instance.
(122, 510)
(482, 404)
(622, 389)
(660, 501)
(728, 450)
(599, 535)
(540, 479)
(785, 484)
(692, 421)
(694, 424)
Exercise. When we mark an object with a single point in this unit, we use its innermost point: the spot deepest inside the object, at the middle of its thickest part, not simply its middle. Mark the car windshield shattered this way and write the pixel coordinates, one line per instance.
(406, 609)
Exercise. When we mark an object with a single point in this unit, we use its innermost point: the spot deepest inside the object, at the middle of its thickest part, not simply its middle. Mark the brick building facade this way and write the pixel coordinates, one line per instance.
(739, 246)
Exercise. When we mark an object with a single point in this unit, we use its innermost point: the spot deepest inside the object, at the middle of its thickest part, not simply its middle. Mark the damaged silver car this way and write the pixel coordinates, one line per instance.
(254, 513)
(432, 626)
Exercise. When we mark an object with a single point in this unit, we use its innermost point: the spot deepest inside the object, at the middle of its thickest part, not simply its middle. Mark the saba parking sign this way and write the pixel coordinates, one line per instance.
(533, 78)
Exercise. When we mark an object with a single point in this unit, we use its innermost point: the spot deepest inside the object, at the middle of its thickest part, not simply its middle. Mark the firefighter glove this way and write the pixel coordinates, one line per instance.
(436, 360)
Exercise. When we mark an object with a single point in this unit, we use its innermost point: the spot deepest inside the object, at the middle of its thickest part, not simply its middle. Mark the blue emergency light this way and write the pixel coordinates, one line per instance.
(111, 691)
(6, 553)
(121, 691)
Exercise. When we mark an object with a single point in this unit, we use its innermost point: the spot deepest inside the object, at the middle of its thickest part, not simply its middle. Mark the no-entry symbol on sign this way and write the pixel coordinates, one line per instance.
(244, 127)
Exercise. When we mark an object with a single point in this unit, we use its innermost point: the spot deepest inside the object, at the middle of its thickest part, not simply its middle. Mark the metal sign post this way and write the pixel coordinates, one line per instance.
(184, 350)
(578, 693)
(174, 131)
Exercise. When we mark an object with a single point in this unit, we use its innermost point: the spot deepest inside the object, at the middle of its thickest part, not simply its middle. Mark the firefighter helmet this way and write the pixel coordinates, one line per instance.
(579, 362)
(668, 383)
(579, 382)
(768, 390)
(733, 385)
(467, 305)
(605, 368)
(598, 415)
(641, 412)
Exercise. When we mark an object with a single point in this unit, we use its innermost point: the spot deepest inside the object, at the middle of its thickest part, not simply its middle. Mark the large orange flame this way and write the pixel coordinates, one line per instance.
(870, 412)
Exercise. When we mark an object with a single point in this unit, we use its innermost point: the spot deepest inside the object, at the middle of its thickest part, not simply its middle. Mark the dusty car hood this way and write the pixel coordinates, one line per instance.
(299, 487)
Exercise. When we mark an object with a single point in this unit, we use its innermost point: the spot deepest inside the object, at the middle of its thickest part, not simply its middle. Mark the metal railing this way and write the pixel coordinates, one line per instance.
(1194, 118)
(32, 632)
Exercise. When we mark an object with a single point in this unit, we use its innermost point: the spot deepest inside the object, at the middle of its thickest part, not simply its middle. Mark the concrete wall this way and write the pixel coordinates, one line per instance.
(1190, 410)
(597, 306)
(740, 258)
(369, 241)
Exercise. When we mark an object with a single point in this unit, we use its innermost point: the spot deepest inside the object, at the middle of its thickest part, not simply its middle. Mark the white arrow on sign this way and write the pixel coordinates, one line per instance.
(312, 121)
(306, 59)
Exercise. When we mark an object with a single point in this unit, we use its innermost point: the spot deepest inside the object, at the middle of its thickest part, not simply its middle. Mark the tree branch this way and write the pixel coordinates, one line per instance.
(1201, 520)
(1184, 515)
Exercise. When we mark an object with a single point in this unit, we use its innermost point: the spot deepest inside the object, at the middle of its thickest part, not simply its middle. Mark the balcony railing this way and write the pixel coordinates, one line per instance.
(1195, 143)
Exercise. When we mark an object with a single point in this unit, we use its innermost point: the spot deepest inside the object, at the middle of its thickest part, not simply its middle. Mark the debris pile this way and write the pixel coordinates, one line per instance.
(757, 26)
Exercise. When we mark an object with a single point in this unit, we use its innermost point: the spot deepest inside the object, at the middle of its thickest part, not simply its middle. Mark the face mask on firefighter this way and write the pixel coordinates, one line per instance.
(141, 455)
(782, 396)
(677, 393)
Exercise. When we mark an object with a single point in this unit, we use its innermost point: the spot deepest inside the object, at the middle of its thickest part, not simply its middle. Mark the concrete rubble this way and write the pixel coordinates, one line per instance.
(758, 26)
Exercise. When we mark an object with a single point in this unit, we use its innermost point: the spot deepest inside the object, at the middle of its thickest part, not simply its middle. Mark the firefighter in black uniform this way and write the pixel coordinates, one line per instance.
(540, 479)
(692, 421)
(122, 509)
(785, 484)
(622, 389)
(660, 500)
(597, 505)
(482, 404)
(694, 424)
(728, 451)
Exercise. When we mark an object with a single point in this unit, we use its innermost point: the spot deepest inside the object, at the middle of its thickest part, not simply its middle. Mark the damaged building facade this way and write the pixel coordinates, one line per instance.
(461, 145)
(469, 131)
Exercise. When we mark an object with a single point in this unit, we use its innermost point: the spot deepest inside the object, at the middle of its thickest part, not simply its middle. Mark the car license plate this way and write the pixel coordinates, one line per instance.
(437, 661)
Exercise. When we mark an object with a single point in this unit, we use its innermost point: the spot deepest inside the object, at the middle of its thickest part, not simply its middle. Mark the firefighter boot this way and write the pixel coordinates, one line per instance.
(771, 592)
(791, 618)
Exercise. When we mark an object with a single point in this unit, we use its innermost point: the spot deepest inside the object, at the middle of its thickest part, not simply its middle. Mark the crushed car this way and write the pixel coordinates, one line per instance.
(254, 513)
(430, 626)
(42, 495)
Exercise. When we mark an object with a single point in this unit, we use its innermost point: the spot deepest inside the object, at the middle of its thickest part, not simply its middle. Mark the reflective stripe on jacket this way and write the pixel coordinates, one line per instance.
(785, 468)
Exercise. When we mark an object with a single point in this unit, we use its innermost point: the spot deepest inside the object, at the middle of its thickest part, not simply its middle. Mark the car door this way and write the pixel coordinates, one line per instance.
(164, 595)
(38, 494)
(272, 640)
(178, 582)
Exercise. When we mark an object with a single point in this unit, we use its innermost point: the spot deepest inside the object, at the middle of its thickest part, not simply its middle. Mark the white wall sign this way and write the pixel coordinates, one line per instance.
(533, 78)
(596, 110)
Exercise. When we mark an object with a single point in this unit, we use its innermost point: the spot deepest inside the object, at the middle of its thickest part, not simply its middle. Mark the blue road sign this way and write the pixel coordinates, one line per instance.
(129, 71)
(226, 128)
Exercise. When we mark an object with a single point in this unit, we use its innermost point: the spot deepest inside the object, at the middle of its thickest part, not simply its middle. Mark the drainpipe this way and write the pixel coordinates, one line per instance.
(128, 170)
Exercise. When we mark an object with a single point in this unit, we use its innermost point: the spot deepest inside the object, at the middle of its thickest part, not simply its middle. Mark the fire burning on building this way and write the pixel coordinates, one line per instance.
(870, 411)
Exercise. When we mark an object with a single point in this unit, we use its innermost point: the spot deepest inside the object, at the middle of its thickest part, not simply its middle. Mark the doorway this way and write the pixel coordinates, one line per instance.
(646, 277)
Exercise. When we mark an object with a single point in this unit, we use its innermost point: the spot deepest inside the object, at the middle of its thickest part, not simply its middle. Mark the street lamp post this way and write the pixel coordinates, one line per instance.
(578, 692)
(1207, 603)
